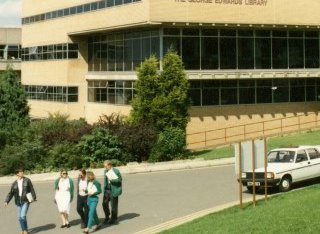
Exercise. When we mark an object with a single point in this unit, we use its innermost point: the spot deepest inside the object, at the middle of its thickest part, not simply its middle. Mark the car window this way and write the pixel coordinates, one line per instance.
(301, 156)
(313, 153)
(281, 156)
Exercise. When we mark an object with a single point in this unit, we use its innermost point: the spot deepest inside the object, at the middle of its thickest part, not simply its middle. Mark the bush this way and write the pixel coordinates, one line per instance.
(57, 129)
(100, 145)
(28, 155)
(138, 140)
(64, 155)
(170, 145)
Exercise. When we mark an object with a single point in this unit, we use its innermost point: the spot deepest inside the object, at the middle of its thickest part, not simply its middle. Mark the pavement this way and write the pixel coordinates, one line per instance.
(134, 168)
(177, 192)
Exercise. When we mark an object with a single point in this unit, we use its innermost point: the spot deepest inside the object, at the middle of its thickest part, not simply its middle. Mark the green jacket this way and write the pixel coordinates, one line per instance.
(115, 185)
(56, 186)
(98, 186)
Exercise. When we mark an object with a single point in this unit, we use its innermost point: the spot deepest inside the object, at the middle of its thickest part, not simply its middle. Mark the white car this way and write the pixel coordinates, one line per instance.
(285, 167)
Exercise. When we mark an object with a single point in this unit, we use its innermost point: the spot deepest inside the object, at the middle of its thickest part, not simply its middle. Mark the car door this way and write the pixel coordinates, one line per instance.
(314, 157)
(301, 169)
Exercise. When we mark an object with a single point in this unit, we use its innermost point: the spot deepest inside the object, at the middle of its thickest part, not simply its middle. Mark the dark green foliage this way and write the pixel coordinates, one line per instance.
(162, 98)
(147, 89)
(100, 145)
(14, 109)
(64, 155)
(57, 129)
(170, 145)
(28, 154)
(137, 140)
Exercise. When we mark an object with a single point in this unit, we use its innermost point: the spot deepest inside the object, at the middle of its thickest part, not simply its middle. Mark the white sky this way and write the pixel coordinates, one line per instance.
(10, 13)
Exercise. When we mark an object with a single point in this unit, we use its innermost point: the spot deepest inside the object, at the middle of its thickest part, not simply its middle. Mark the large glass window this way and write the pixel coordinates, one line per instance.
(296, 49)
(228, 49)
(279, 50)
(52, 93)
(245, 50)
(280, 90)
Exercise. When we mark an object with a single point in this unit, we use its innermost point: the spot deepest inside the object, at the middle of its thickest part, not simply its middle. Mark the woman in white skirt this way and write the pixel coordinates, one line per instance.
(64, 194)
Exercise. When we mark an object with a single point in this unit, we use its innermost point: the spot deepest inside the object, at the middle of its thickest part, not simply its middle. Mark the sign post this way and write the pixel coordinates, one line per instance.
(251, 155)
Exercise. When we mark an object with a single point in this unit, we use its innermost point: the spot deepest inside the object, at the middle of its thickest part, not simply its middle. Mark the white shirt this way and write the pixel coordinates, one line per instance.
(20, 184)
(83, 184)
(91, 188)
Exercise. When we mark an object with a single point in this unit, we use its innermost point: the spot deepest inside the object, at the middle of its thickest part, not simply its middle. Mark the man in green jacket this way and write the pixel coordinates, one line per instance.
(112, 191)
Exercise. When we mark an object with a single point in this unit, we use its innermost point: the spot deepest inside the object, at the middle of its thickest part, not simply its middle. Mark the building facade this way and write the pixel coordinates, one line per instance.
(248, 61)
(10, 48)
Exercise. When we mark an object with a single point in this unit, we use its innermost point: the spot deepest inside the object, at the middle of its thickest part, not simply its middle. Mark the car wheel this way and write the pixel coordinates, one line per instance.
(285, 184)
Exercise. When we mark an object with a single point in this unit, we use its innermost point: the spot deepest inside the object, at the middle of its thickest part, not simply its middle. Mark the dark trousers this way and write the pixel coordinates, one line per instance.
(82, 208)
(113, 201)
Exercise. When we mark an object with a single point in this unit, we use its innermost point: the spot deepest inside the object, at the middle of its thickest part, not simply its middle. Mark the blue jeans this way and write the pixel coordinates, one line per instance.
(22, 215)
(93, 216)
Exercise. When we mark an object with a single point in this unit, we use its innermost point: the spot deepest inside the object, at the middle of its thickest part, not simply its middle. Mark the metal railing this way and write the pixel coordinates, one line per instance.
(229, 135)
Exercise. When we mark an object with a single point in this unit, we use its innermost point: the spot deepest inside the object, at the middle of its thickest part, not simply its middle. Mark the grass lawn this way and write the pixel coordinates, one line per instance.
(307, 138)
(294, 212)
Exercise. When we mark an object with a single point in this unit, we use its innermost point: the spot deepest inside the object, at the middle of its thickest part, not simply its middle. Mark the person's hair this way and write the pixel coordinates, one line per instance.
(83, 171)
(18, 170)
(108, 162)
(91, 174)
(63, 170)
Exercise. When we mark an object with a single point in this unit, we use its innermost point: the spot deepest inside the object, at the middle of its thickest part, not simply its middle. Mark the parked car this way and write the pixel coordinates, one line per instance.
(285, 167)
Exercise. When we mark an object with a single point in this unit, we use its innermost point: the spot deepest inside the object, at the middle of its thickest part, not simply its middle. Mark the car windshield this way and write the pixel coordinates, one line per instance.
(281, 156)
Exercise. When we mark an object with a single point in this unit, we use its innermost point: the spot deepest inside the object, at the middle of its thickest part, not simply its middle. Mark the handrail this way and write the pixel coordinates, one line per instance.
(242, 132)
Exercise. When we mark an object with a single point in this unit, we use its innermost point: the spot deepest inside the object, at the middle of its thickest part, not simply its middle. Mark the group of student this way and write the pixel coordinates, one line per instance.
(88, 189)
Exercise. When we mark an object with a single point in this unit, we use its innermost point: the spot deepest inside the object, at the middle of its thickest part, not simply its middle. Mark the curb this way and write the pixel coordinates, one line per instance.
(134, 168)
(188, 218)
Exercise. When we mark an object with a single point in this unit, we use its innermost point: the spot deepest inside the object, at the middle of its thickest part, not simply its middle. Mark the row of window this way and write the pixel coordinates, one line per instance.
(208, 49)
(122, 52)
(50, 52)
(93, 6)
(10, 52)
(52, 93)
(202, 92)
(233, 92)
(111, 92)
(244, 49)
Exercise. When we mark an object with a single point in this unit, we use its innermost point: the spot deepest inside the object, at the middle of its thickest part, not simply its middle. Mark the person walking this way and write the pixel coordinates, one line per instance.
(23, 192)
(112, 191)
(64, 188)
(93, 190)
(82, 199)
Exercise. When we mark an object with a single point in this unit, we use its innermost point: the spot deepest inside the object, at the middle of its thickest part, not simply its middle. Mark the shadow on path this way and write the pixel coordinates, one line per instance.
(42, 228)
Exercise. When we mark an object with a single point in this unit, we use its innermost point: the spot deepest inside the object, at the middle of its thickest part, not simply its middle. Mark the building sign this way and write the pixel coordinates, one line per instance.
(228, 2)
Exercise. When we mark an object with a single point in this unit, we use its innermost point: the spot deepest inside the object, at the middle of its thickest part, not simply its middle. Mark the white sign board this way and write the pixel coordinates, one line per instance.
(256, 147)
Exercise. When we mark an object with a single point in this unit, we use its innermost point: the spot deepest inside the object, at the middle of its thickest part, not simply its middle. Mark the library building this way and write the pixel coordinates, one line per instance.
(253, 65)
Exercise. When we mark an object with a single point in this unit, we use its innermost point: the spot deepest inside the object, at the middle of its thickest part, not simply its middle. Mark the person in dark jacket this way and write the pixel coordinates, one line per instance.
(23, 192)
(82, 206)
(112, 191)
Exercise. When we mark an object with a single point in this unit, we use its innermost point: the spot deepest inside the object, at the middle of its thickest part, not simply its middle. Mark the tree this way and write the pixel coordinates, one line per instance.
(162, 98)
(14, 109)
(147, 88)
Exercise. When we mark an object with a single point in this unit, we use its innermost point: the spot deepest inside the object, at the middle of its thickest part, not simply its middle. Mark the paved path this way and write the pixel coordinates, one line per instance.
(149, 199)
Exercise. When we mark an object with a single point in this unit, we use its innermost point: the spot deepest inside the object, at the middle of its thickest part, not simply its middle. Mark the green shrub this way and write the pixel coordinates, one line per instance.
(64, 155)
(170, 145)
(57, 129)
(100, 145)
(28, 155)
(138, 140)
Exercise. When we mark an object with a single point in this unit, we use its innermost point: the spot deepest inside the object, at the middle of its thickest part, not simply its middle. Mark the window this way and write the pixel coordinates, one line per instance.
(228, 50)
(49, 52)
(52, 93)
(313, 153)
(301, 156)
(247, 92)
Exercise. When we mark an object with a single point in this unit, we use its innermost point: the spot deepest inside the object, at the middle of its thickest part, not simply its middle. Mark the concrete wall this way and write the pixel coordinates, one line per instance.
(283, 12)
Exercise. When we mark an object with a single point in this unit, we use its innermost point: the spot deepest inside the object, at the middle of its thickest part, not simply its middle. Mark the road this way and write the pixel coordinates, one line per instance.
(149, 199)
